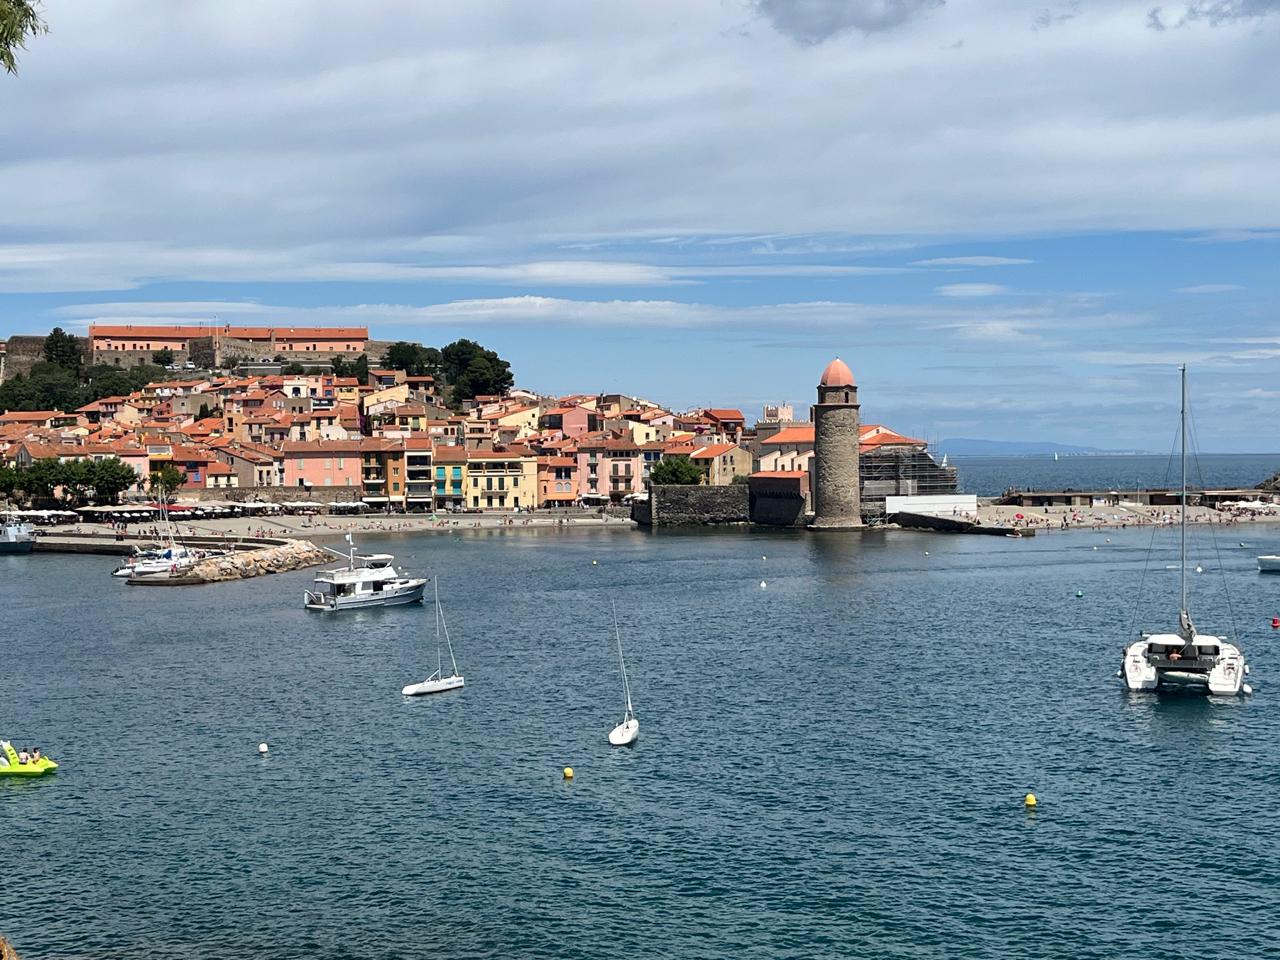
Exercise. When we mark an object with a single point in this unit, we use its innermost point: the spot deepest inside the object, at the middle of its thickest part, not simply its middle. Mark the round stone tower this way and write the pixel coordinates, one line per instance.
(837, 494)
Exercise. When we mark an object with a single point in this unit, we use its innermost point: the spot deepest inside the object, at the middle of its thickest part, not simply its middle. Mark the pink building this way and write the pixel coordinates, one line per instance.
(609, 468)
(324, 463)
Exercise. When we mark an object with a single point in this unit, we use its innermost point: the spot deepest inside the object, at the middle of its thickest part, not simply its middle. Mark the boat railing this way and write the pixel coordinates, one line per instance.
(1182, 663)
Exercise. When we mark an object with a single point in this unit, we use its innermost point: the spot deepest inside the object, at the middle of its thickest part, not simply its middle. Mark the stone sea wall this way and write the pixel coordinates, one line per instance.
(290, 555)
(677, 506)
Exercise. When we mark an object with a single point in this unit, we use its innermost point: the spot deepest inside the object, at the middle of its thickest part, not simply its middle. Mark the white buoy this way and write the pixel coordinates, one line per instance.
(763, 585)
(262, 748)
(1095, 548)
(926, 553)
(1199, 569)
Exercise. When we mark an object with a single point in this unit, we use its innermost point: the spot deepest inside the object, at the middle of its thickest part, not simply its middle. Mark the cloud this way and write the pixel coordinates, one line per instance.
(1046, 18)
(813, 21)
(1235, 236)
(1210, 288)
(121, 266)
(971, 290)
(1226, 11)
(970, 262)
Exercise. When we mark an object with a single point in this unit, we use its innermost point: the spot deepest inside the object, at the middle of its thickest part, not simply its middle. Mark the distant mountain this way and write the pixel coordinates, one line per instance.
(963, 447)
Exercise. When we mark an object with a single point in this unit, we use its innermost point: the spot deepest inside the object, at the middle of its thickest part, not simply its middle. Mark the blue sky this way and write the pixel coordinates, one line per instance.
(1013, 222)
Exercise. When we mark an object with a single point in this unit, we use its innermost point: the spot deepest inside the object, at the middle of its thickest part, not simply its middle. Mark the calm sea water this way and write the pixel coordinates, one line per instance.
(829, 766)
(989, 476)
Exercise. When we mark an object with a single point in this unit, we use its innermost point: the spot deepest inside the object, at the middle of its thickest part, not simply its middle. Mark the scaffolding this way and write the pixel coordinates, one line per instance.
(901, 472)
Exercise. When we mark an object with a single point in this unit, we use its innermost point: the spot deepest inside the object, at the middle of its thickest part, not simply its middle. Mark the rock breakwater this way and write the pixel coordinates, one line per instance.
(287, 555)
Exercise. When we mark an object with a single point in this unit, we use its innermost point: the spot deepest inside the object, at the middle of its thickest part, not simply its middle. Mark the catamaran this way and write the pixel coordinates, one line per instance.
(628, 731)
(438, 682)
(1188, 658)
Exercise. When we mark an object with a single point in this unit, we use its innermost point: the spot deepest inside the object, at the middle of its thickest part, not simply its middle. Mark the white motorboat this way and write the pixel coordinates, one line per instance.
(438, 682)
(1269, 564)
(16, 537)
(628, 731)
(368, 580)
(1186, 659)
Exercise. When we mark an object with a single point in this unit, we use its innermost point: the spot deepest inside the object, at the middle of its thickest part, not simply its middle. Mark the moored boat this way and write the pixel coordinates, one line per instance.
(16, 537)
(1187, 659)
(368, 580)
(1269, 564)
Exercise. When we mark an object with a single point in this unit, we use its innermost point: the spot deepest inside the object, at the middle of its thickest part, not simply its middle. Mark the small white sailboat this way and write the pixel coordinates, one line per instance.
(438, 682)
(628, 731)
(1055, 456)
(1187, 659)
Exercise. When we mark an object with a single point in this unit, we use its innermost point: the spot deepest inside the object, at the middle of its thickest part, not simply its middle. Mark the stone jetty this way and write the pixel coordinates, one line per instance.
(278, 557)
(6, 950)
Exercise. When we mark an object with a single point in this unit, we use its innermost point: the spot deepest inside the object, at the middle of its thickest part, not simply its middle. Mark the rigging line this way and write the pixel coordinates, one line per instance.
(1155, 528)
(1213, 533)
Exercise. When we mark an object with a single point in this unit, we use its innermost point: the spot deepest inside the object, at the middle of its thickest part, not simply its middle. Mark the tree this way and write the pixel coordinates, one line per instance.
(473, 370)
(162, 357)
(19, 21)
(164, 481)
(293, 369)
(360, 369)
(75, 477)
(47, 387)
(109, 478)
(61, 347)
(8, 482)
(678, 471)
(111, 382)
(413, 358)
(39, 480)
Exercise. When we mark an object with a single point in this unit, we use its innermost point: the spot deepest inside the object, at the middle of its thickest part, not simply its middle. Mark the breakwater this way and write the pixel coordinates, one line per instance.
(237, 558)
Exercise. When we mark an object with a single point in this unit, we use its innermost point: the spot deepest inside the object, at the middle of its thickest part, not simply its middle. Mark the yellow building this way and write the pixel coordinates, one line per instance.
(502, 479)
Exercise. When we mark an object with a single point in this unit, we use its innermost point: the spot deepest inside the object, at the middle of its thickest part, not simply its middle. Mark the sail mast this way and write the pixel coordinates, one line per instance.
(626, 687)
(1183, 559)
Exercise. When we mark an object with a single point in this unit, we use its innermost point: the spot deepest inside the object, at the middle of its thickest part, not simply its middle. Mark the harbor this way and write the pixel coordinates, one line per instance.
(884, 776)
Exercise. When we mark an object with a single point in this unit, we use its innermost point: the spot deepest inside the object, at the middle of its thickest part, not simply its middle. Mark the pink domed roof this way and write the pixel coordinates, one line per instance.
(837, 374)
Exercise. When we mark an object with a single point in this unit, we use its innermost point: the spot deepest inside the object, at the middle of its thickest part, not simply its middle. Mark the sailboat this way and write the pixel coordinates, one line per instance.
(1188, 658)
(628, 731)
(438, 682)
(1055, 456)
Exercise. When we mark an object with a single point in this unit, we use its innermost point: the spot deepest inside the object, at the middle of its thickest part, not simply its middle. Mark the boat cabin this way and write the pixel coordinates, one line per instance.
(1169, 651)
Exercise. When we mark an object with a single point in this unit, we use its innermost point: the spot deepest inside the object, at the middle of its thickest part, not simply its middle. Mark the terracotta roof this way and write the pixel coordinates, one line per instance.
(836, 374)
(781, 474)
(800, 434)
(237, 333)
(714, 450)
(724, 413)
(446, 453)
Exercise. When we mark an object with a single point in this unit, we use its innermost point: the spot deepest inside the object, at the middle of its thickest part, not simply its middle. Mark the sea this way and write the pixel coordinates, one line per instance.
(837, 734)
(991, 476)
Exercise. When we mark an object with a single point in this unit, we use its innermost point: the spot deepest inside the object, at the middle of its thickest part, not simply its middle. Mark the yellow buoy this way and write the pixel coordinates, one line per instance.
(1029, 800)
(568, 773)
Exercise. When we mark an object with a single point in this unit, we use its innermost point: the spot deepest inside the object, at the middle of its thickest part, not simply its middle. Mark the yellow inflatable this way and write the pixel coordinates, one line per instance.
(11, 767)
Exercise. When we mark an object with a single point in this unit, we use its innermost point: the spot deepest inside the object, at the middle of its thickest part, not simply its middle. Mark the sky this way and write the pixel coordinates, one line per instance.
(1012, 220)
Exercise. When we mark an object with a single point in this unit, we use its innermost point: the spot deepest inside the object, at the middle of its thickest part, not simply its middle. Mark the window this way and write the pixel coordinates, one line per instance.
(340, 462)
(328, 463)
(395, 486)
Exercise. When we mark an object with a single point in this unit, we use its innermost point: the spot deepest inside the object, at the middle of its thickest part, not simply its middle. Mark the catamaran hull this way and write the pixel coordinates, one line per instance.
(387, 598)
(1225, 679)
(432, 686)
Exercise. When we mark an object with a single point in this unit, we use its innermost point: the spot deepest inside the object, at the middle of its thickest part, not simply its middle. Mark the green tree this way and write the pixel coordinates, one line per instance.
(680, 471)
(472, 370)
(76, 480)
(110, 382)
(293, 369)
(110, 477)
(19, 21)
(360, 369)
(63, 348)
(40, 479)
(47, 387)
(164, 481)
(162, 357)
(413, 358)
(8, 482)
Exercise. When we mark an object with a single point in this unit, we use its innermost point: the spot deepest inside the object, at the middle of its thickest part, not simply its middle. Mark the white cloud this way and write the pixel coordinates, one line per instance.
(971, 290)
(1210, 288)
(236, 127)
(970, 262)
